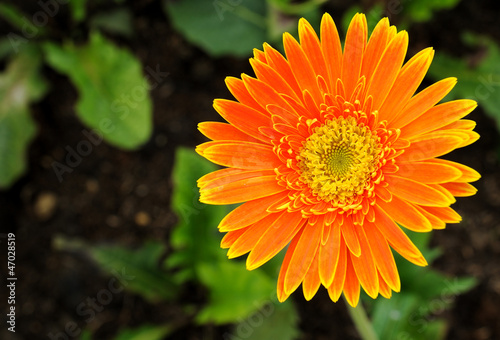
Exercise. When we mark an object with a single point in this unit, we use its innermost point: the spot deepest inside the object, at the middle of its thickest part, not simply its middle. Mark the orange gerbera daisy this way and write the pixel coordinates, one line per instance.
(329, 150)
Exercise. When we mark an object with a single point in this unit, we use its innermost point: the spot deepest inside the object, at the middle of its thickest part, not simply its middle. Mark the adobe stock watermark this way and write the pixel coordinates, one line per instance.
(222, 6)
(246, 327)
(93, 305)
(427, 312)
(31, 28)
(487, 86)
(94, 137)
(186, 211)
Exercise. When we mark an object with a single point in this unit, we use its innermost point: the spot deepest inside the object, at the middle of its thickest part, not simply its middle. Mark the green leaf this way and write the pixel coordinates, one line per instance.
(399, 318)
(19, 20)
(86, 335)
(6, 47)
(425, 294)
(117, 21)
(480, 82)
(220, 27)
(138, 270)
(145, 332)
(20, 84)
(273, 321)
(422, 10)
(291, 7)
(234, 292)
(114, 95)
(195, 238)
(78, 10)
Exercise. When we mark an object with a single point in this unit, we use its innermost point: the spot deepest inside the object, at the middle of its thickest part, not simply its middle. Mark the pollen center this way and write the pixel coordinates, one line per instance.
(339, 160)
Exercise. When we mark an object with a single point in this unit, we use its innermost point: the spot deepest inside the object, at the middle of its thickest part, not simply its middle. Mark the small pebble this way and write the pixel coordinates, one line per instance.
(142, 219)
(45, 205)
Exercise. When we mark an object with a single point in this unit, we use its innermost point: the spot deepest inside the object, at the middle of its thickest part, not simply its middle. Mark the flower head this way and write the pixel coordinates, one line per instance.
(331, 151)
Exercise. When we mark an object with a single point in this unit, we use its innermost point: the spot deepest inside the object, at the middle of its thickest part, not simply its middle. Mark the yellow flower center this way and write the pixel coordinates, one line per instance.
(339, 159)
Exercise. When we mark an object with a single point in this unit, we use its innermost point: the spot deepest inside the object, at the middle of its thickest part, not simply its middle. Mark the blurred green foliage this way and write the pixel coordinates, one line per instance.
(423, 10)
(20, 85)
(236, 27)
(195, 238)
(144, 332)
(478, 78)
(114, 96)
(234, 292)
(141, 266)
(234, 295)
(222, 26)
(416, 312)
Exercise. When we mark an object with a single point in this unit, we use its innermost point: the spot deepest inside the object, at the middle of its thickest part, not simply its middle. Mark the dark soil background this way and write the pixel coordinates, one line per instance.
(121, 197)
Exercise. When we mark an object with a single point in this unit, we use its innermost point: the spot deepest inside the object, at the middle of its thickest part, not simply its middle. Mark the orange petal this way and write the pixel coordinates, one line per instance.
(263, 93)
(384, 289)
(269, 75)
(431, 145)
(231, 237)
(406, 214)
(387, 69)
(242, 190)
(354, 48)
(364, 266)
(445, 192)
(248, 213)
(285, 266)
(428, 172)
(471, 137)
(301, 67)
(439, 116)
(435, 222)
(223, 131)
(351, 284)
(276, 237)
(244, 118)
(243, 155)
(312, 49)
(383, 193)
(227, 177)
(405, 85)
(290, 117)
(416, 192)
(335, 289)
(298, 107)
(311, 281)
(247, 241)
(214, 175)
(240, 92)
(329, 256)
(259, 55)
(281, 65)
(460, 189)
(446, 214)
(397, 238)
(423, 101)
(302, 257)
(383, 257)
(350, 236)
(463, 124)
(332, 50)
(375, 48)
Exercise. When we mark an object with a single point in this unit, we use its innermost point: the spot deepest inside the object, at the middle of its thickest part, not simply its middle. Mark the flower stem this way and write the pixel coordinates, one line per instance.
(361, 322)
